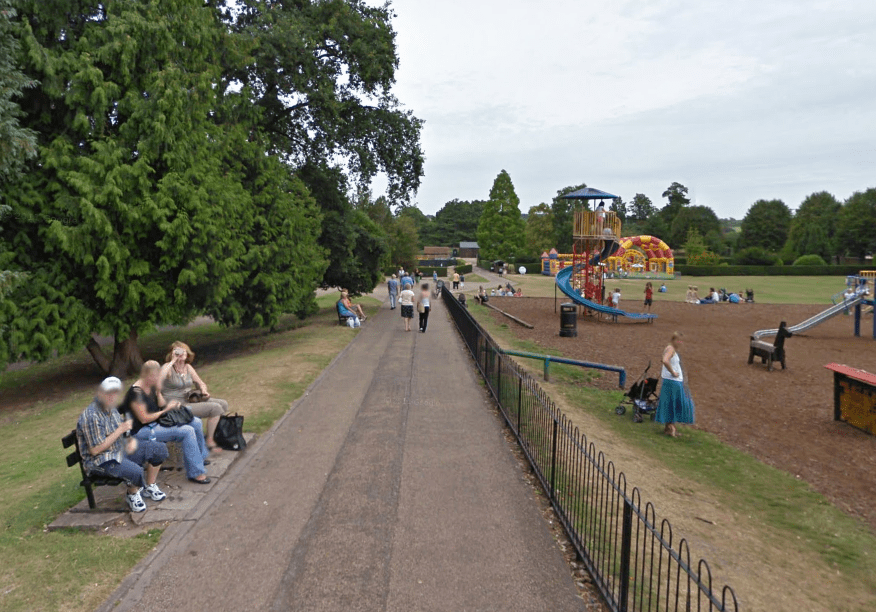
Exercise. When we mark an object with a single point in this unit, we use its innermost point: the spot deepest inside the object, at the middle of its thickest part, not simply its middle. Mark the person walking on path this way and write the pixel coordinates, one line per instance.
(435, 276)
(462, 281)
(423, 307)
(392, 285)
(406, 299)
(456, 280)
(676, 405)
(649, 296)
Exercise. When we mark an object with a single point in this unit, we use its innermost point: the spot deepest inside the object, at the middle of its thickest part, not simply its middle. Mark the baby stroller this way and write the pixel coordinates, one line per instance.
(438, 287)
(642, 396)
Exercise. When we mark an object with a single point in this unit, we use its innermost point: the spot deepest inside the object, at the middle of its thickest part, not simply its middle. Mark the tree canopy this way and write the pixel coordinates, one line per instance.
(539, 230)
(855, 226)
(702, 218)
(813, 228)
(501, 232)
(766, 225)
(16, 142)
(563, 218)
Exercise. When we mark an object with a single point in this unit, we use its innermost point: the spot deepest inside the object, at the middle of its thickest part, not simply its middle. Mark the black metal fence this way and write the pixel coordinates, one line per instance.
(635, 562)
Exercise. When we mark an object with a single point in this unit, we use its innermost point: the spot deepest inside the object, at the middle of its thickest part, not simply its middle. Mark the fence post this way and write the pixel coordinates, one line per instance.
(554, 458)
(547, 369)
(626, 545)
(499, 381)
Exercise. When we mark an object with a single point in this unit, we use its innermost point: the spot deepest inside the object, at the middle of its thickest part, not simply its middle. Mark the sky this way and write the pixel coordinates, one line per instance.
(736, 99)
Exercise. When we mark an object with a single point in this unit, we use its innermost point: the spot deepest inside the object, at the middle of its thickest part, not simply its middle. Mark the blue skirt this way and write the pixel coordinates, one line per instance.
(676, 405)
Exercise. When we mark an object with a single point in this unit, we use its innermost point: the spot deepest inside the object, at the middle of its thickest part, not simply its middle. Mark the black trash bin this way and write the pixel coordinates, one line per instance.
(568, 320)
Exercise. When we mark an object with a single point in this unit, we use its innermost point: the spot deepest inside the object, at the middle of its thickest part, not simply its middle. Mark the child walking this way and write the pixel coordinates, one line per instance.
(649, 296)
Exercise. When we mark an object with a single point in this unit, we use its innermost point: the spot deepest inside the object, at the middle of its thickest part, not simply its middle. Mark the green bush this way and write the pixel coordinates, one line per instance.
(464, 269)
(706, 258)
(531, 267)
(442, 272)
(810, 260)
(727, 270)
(755, 256)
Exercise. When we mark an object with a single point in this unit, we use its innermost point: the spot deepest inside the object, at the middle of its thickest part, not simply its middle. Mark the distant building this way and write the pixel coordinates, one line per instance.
(469, 249)
(433, 252)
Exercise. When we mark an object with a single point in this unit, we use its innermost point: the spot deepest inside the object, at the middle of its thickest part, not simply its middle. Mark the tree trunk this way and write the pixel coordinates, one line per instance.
(126, 358)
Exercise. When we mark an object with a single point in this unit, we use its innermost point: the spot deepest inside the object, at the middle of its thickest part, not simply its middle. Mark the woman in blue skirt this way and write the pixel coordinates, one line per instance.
(676, 405)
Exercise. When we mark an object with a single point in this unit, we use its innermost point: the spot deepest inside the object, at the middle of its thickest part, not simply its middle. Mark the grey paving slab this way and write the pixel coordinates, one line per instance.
(389, 486)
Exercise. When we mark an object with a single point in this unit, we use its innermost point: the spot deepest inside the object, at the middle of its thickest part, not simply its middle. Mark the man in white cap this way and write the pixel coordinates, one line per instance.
(101, 432)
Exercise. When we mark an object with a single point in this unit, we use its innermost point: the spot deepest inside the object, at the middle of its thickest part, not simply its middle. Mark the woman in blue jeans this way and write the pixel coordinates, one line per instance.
(145, 404)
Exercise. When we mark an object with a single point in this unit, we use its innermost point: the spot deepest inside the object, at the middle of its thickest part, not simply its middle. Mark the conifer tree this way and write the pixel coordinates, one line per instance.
(501, 231)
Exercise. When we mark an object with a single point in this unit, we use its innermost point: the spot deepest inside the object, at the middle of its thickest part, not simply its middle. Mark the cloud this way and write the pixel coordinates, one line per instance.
(736, 100)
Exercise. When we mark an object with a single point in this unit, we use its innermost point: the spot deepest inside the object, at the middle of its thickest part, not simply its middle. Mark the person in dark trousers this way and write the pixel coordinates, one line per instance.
(423, 307)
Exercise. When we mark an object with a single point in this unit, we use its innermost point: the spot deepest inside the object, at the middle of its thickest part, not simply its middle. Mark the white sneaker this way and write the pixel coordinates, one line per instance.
(135, 502)
(153, 492)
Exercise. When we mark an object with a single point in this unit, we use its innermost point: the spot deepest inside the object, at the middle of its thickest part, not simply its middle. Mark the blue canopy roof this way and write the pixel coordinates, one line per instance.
(588, 193)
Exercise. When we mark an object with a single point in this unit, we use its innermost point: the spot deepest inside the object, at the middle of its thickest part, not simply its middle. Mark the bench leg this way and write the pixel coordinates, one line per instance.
(770, 364)
(750, 355)
(89, 493)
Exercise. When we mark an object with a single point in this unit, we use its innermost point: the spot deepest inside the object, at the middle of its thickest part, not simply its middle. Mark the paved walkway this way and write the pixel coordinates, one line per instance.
(389, 486)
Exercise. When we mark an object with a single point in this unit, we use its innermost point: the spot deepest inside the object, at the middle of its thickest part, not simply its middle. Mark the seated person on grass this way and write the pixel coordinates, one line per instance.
(100, 432)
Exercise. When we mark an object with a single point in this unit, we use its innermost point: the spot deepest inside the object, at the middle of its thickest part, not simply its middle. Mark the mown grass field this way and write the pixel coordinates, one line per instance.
(73, 570)
(767, 289)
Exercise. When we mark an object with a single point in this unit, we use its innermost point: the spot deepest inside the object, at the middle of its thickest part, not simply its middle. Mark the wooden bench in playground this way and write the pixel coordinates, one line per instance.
(770, 353)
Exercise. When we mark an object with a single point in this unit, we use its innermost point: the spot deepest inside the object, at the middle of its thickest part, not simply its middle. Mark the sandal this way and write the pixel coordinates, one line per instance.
(215, 448)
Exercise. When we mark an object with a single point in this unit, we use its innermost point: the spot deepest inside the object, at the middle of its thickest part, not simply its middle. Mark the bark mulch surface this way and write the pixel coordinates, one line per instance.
(784, 418)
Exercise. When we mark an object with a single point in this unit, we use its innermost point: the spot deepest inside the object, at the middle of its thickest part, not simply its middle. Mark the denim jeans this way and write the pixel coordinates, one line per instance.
(191, 437)
(131, 467)
(392, 299)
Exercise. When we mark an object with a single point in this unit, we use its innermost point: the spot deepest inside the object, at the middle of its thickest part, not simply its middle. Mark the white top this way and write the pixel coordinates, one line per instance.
(406, 298)
(676, 365)
(615, 298)
(424, 300)
(715, 297)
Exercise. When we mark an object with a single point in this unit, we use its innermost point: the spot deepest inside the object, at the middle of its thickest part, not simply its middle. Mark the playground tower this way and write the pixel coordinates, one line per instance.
(593, 240)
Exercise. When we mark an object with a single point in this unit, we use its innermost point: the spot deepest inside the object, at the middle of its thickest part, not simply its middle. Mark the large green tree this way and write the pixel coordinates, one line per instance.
(539, 230)
(16, 142)
(856, 223)
(641, 208)
(457, 221)
(153, 199)
(701, 218)
(813, 228)
(676, 200)
(501, 232)
(766, 225)
(320, 73)
(563, 218)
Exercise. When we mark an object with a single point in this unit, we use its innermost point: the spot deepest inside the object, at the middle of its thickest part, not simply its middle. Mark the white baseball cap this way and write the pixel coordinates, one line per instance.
(110, 384)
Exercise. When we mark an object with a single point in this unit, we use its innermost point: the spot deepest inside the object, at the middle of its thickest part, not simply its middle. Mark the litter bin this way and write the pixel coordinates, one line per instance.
(568, 320)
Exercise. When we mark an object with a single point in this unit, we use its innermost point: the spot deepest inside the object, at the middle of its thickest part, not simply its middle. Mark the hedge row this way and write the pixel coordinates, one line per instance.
(428, 271)
(769, 270)
(531, 267)
(465, 269)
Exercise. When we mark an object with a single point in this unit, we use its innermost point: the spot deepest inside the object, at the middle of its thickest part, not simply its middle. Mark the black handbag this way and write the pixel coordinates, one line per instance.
(229, 432)
(178, 416)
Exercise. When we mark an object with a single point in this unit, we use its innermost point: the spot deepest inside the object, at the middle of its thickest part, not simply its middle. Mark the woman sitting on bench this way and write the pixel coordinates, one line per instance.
(356, 309)
(145, 404)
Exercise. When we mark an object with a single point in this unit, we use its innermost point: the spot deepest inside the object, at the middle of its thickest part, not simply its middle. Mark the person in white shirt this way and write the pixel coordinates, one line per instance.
(676, 405)
(715, 297)
(423, 307)
(615, 298)
(406, 299)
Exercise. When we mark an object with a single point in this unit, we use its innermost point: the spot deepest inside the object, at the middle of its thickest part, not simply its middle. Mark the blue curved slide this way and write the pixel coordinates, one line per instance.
(564, 282)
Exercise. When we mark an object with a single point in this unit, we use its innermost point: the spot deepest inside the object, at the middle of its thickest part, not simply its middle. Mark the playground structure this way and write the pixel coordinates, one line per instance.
(595, 238)
(636, 257)
(855, 296)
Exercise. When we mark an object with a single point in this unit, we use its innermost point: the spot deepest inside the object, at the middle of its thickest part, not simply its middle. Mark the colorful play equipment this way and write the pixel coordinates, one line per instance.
(642, 254)
(854, 297)
(595, 238)
(637, 257)
(854, 397)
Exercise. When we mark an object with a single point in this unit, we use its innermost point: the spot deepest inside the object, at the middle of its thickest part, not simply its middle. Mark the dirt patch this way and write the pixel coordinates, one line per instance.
(784, 418)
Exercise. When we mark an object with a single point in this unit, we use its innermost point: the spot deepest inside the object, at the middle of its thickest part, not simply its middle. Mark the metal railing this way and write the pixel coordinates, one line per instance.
(636, 562)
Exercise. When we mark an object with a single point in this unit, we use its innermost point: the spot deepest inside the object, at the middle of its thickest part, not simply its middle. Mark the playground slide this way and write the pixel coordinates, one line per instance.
(564, 282)
(611, 247)
(821, 317)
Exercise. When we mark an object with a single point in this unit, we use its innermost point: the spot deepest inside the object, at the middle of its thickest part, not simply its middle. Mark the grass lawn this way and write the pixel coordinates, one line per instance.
(767, 289)
(788, 518)
(73, 570)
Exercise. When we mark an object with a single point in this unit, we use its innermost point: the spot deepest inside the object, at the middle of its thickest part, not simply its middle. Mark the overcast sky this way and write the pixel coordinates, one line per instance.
(736, 99)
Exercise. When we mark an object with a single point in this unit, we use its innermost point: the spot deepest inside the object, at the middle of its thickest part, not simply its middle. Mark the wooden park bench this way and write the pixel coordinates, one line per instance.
(88, 480)
(770, 352)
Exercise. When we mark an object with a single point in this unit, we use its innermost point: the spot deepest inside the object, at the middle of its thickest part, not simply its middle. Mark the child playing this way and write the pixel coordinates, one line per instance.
(649, 296)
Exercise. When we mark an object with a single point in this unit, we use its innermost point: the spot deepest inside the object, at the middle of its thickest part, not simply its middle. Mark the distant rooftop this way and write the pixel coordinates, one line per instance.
(468, 245)
(588, 193)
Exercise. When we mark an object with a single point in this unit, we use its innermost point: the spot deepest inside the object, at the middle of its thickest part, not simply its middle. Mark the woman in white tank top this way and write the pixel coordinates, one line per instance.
(676, 405)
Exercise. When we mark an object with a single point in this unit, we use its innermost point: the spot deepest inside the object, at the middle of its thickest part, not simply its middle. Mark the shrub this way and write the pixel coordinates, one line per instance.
(728, 270)
(706, 258)
(810, 260)
(755, 256)
(442, 272)
(464, 269)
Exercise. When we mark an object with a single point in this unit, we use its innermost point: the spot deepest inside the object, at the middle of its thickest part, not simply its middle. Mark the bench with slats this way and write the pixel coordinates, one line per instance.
(89, 480)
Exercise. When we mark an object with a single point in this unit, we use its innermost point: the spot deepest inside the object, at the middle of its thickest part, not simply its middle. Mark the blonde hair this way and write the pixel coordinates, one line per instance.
(677, 336)
(149, 367)
(190, 355)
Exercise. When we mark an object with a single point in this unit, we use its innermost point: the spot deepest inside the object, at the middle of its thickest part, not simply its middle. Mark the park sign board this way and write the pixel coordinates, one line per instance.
(854, 394)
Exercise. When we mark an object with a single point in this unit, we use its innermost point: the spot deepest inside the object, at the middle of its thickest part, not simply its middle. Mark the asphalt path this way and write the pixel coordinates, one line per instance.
(388, 487)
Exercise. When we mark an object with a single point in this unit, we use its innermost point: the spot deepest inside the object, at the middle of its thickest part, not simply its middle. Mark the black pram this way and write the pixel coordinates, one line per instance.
(642, 396)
